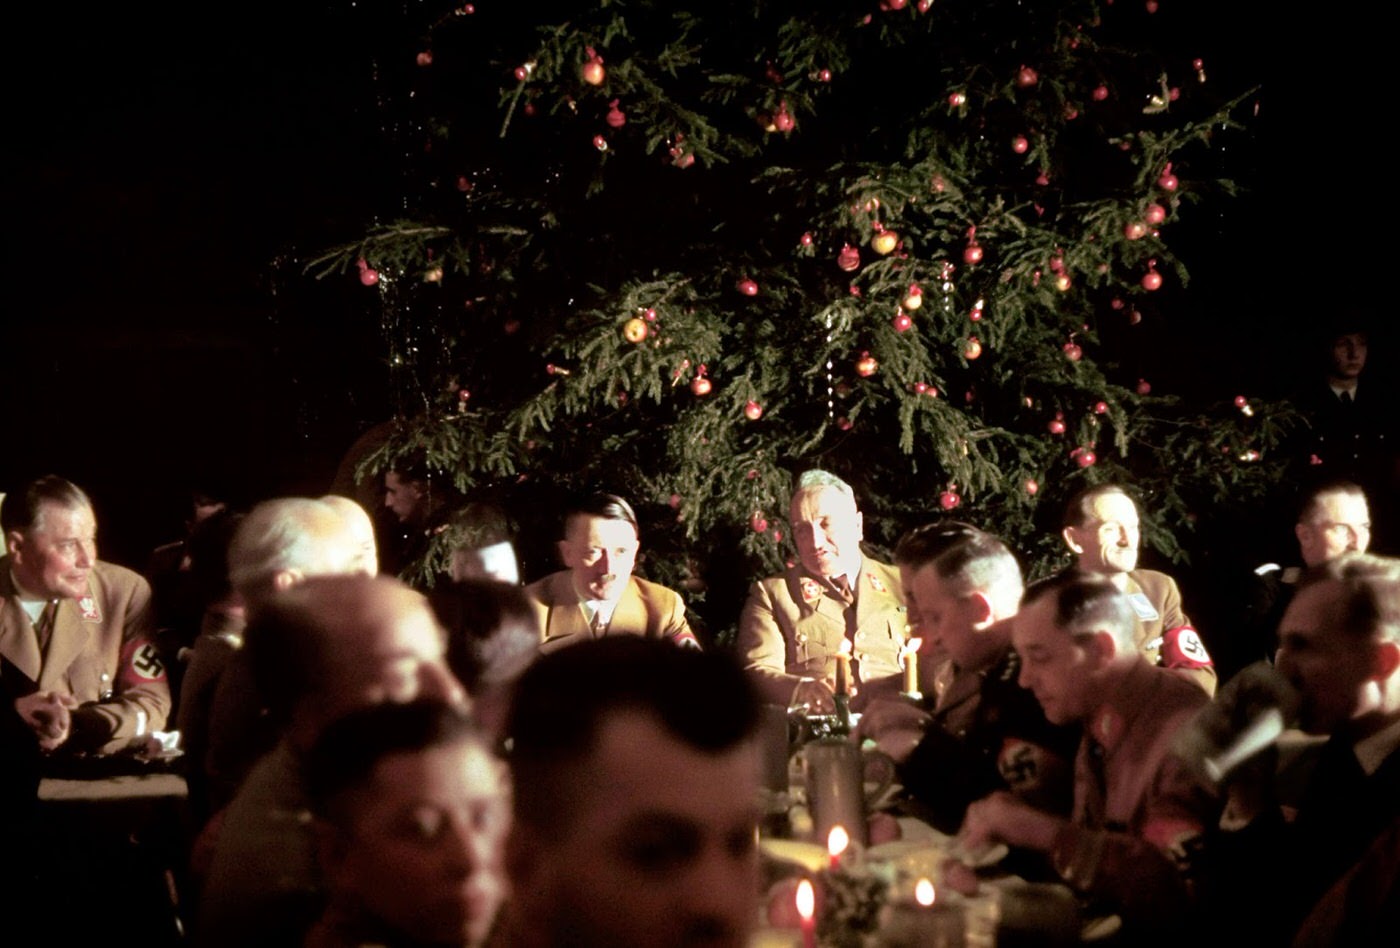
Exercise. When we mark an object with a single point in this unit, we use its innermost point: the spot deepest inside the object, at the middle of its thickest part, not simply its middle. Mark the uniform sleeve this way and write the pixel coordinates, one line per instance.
(1147, 876)
(763, 647)
(1184, 652)
(140, 700)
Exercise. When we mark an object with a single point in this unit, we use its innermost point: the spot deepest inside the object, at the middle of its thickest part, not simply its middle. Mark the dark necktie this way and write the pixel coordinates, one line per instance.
(1346, 399)
(43, 626)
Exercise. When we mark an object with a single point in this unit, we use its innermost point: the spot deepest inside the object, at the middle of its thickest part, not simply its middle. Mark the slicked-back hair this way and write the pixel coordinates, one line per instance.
(347, 751)
(562, 702)
(817, 478)
(1311, 501)
(23, 510)
(1369, 607)
(492, 629)
(1077, 512)
(971, 560)
(604, 507)
(1085, 605)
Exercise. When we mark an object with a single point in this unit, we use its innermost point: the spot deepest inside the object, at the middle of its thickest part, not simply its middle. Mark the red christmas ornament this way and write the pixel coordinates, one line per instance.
(1167, 181)
(1063, 282)
(369, 276)
(1155, 214)
(902, 322)
(848, 259)
(806, 240)
(1085, 458)
(649, 315)
(949, 499)
(894, 4)
(973, 349)
(600, 143)
(592, 72)
(463, 394)
(675, 501)
(747, 287)
(884, 242)
(700, 385)
(425, 58)
(1100, 408)
(1144, 387)
(1031, 486)
(972, 253)
(616, 118)
(758, 522)
(914, 298)
(782, 119)
(753, 410)
(866, 365)
(1241, 401)
(920, 388)
(1073, 352)
(1135, 230)
(824, 75)
(843, 423)
(1020, 145)
(1026, 77)
(1151, 280)
(957, 99)
(1100, 93)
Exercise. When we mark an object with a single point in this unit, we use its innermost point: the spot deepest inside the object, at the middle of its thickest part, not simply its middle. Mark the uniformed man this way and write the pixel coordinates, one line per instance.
(983, 731)
(1101, 528)
(794, 625)
(596, 594)
(1138, 813)
(76, 655)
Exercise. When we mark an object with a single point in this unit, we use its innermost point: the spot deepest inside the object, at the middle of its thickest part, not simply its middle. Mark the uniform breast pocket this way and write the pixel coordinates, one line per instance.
(812, 642)
(88, 678)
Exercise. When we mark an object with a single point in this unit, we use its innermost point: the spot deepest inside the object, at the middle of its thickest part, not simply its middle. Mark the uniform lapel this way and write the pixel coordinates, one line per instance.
(18, 644)
(630, 614)
(70, 639)
(566, 612)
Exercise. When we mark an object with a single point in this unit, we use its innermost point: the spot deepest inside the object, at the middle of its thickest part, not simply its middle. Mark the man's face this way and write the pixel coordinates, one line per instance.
(827, 528)
(601, 554)
(1338, 523)
(54, 558)
(422, 852)
(1348, 355)
(659, 848)
(1055, 666)
(947, 619)
(1330, 667)
(1108, 539)
(402, 496)
(388, 655)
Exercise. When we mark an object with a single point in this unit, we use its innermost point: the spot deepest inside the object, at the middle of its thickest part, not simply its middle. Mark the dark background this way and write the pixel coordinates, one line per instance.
(169, 167)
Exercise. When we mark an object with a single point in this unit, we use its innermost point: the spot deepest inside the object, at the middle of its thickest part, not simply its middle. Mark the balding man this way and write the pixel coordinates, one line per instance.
(279, 544)
(76, 657)
(320, 650)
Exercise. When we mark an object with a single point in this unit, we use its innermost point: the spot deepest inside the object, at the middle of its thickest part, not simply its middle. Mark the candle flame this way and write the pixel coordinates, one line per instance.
(845, 647)
(923, 892)
(837, 840)
(806, 900)
(914, 644)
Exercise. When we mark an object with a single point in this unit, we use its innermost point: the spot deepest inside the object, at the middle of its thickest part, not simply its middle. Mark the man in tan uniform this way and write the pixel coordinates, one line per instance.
(793, 625)
(76, 654)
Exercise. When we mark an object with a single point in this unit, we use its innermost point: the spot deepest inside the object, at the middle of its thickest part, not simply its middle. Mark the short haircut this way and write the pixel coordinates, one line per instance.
(816, 479)
(492, 630)
(1077, 512)
(479, 524)
(294, 640)
(1369, 607)
(969, 558)
(562, 702)
(287, 533)
(602, 506)
(23, 510)
(345, 755)
(1311, 501)
(1085, 605)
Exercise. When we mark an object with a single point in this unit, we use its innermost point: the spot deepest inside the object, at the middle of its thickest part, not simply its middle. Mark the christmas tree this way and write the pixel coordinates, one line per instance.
(681, 251)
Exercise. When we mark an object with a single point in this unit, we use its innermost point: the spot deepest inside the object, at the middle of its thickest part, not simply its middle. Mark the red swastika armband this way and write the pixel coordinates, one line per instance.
(1182, 648)
(140, 664)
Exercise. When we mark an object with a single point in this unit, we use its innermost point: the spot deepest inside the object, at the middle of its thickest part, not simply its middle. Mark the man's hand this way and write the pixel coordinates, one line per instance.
(1001, 818)
(896, 726)
(813, 697)
(49, 716)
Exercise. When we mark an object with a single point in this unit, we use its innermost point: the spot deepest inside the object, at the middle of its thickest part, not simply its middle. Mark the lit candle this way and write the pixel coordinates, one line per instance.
(843, 669)
(836, 843)
(923, 892)
(910, 654)
(807, 911)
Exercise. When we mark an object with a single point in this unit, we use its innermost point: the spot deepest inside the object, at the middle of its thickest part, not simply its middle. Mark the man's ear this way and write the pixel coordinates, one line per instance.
(1071, 538)
(1102, 647)
(13, 541)
(860, 525)
(563, 547)
(1300, 530)
(979, 610)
